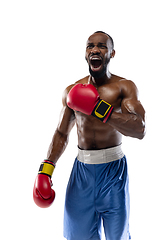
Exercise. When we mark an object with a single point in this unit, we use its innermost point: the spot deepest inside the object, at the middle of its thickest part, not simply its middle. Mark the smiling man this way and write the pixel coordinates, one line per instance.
(104, 107)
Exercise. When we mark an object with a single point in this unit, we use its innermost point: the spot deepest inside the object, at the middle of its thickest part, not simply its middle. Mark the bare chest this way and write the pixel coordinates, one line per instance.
(111, 93)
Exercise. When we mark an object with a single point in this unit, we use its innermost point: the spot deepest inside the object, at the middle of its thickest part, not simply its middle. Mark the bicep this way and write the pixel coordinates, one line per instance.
(133, 106)
(130, 103)
(67, 117)
(66, 120)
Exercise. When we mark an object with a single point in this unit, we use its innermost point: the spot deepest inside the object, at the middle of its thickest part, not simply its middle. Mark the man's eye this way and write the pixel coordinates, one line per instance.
(90, 46)
(103, 47)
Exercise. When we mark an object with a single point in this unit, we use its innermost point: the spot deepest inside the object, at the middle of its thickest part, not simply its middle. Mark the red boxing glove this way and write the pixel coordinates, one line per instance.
(85, 98)
(43, 194)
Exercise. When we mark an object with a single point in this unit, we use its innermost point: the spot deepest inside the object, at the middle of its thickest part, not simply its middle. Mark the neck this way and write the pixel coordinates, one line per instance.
(99, 81)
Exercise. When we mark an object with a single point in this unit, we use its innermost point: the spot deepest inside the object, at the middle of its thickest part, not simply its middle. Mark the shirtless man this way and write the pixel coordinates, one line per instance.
(98, 185)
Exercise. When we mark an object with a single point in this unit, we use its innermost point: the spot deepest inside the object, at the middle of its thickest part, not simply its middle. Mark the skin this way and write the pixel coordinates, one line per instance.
(128, 117)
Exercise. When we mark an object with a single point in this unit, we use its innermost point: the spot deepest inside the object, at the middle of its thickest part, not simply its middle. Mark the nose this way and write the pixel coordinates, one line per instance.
(95, 50)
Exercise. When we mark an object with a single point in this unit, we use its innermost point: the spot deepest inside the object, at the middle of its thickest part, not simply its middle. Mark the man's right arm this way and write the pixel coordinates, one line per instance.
(61, 135)
(43, 194)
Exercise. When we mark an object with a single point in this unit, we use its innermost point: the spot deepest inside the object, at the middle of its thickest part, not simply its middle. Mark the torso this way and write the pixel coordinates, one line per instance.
(92, 133)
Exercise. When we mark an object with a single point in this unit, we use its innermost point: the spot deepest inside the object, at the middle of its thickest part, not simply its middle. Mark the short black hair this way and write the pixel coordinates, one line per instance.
(111, 39)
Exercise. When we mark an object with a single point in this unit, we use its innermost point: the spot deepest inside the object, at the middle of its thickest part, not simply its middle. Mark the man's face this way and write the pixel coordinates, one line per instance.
(98, 54)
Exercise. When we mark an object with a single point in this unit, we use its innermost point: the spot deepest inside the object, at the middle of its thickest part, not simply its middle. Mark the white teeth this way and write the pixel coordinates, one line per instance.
(95, 58)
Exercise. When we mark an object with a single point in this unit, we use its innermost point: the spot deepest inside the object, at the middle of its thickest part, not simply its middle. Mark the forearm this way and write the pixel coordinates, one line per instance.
(128, 124)
(57, 146)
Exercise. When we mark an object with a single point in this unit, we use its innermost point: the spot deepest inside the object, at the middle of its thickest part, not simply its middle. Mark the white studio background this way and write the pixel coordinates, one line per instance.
(42, 47)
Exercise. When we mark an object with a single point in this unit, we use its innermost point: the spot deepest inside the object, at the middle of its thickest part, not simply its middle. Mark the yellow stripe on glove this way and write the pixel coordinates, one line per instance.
(46, 168)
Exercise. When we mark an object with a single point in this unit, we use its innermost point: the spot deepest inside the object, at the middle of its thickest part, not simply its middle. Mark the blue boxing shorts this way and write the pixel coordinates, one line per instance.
(97, 193)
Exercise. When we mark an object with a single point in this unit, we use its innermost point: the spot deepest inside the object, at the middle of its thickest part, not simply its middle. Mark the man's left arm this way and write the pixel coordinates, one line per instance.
(131, 120)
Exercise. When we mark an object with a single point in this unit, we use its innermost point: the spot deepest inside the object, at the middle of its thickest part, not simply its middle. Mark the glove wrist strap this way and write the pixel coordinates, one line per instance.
(102, 110)
(47, 167)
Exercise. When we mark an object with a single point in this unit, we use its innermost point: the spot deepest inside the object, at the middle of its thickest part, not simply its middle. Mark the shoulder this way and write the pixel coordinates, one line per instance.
(67, 89)
(123, 82)
(83, 80)
(128, 88)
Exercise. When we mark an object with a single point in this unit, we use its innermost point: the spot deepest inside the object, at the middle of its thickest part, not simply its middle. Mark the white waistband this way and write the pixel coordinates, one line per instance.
(100, 156)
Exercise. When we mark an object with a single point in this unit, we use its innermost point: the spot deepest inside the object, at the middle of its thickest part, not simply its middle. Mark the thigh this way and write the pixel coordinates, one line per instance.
(78, 226)
(81, 220)
(116, 218)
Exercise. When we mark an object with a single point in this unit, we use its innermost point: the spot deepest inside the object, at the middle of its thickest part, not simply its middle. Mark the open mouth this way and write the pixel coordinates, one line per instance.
(96, 63)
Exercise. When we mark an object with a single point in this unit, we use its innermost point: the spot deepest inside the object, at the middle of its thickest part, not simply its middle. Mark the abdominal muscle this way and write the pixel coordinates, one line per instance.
(94, 134)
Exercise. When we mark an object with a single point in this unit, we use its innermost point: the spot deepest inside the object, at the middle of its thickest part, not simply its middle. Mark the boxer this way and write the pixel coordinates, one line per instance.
(104, 107)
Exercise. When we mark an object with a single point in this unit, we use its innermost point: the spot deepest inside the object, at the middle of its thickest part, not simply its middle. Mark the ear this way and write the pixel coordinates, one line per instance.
(113, 53)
